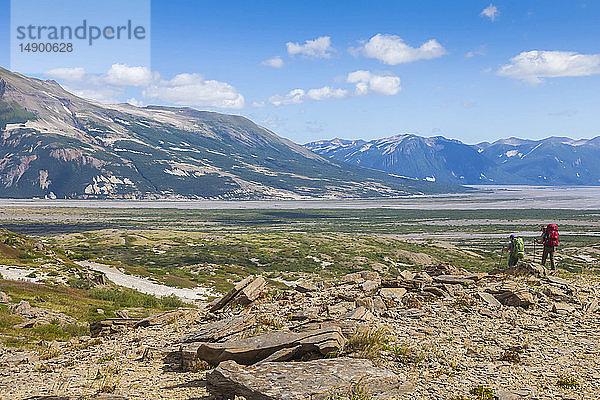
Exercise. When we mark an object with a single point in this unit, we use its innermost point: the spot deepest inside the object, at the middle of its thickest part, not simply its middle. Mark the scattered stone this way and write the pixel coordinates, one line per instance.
(591, 306)
(100, 311)
(360, 314)
(511, 294)
(111, 326)
(4, 298)
(392, 294)
(370, 286)
(168, 317)
(307, 313)
(556, 293)
(526, 269)
(444, 269)
(374, 304)
(437, 291)
(563, 308)
(304, 287)
(103, 396)
(23, 308)
(251, 350)
(407, 275)
(221, 302)
(490, 300)
(250, 292)
(310, 380)
(454, 280)
(243, 293)
(215, 331)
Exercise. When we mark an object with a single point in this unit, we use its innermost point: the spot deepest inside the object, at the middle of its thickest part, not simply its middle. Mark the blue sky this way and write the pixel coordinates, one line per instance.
(520, 68)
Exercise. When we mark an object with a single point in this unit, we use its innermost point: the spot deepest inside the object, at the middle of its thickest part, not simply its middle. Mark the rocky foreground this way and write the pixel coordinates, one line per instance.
(438, 334)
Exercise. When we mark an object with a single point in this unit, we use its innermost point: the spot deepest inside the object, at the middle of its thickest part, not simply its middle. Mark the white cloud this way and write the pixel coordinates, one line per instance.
(491, 12)
(392, 50)
(124, 75)
(106, 95)
(327, 92)
(480, 51)
(275, 62)
(295, 96)
(66, 74)
(534, 66)
(318, 48)
(369, 83)
(194, 90)
(365, 83)
(135, 102)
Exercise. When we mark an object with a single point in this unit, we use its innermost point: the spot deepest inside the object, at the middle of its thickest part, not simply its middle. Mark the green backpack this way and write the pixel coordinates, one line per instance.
(519, 247)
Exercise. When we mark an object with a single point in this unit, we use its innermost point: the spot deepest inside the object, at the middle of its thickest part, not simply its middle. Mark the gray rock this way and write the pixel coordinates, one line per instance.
(439, 292)
(304, 287)
(374, 304)
(111, 326)
(563, 308)
(103, 396)
(311, 380)
(353, 278)
(250, 292)
(251, 350)
(511, 294)
(489, 299)
(188, 353)
(454, 280)
(591, 306)
(214, 331)
(307, 313)
(23, 308)
(222, 302)
(392, 294)
(527, 269)
(360, 314)
(407, 275)
(370, 286)
(4, 298)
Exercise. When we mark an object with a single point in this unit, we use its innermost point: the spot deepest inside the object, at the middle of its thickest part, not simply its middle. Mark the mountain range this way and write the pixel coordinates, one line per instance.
(54, 144)
(551, 161)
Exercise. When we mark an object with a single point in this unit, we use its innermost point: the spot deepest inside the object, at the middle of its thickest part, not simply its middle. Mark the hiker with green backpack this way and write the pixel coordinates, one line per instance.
(516, 249)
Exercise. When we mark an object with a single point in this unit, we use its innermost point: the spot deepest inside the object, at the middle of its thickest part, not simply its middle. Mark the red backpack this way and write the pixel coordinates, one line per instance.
(551, 235)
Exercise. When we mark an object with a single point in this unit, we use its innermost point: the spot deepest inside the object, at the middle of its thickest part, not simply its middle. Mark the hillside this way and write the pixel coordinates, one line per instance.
(55, 144)
(551, 161)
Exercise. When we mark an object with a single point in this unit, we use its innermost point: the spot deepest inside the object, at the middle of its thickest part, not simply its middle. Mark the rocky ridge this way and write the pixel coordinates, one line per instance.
(441, 333)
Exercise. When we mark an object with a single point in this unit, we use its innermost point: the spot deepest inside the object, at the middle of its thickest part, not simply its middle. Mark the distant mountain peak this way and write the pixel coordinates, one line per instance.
(554, 160)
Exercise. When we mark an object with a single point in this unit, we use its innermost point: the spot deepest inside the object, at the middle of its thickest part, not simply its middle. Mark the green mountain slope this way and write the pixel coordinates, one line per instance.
(56, 144)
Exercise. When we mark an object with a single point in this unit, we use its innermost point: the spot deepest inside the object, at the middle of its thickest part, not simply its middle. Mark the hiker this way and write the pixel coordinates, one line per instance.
(550, 241)
(516, 249)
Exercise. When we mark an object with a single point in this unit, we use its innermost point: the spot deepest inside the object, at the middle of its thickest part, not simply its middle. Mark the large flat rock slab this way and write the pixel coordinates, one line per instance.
(310, 380)
(214, 331)
(243, 293)
(251, 350)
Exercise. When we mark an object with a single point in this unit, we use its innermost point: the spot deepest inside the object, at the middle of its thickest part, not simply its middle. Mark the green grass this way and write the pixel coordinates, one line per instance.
(367, 343)
(77, 303)
(123, 298)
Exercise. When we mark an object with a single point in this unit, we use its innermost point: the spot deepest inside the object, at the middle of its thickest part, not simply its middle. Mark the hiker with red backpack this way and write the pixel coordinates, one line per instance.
(550, 241)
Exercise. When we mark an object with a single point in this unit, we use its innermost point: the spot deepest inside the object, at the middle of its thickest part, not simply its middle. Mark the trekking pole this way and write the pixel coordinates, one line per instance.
(534, 251)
